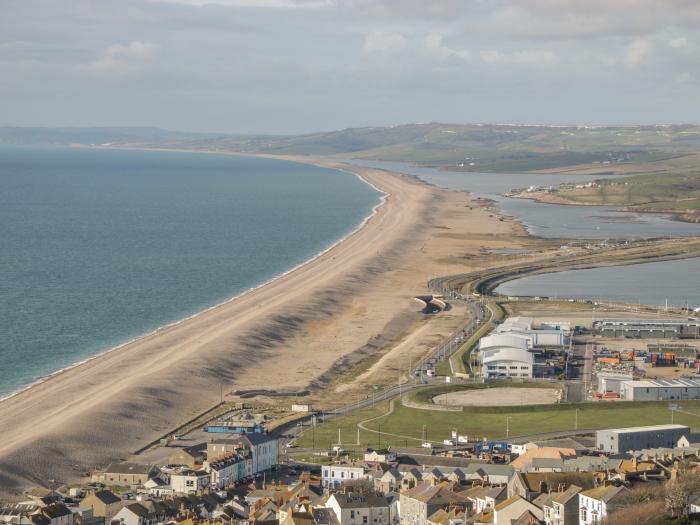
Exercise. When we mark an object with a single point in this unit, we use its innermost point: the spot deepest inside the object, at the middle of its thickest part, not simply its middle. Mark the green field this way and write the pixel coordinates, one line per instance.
(657, 192)
(404, 426)
(463, 354)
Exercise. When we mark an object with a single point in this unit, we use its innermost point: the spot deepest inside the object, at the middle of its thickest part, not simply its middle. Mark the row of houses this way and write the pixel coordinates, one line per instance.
(214, 465)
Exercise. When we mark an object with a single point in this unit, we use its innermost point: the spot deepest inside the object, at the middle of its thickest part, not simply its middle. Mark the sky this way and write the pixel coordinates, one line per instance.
(296, 66)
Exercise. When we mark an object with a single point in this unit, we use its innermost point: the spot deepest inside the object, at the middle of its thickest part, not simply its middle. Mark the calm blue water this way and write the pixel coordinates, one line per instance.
(548, 220)
(649, 283)
(98, 247)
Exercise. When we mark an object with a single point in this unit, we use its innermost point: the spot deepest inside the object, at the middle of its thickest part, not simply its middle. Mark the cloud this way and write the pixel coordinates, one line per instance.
(534, 58)
(435, 45)
(263, 4)
(637, 51)
(124, 58)
(384, 42)
(679, 43)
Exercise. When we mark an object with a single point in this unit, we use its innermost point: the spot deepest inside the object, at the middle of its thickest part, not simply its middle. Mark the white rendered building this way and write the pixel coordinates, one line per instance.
(506, 356)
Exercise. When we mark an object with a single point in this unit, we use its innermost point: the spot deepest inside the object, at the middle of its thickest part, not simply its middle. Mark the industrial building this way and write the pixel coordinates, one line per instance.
(506, 356)
(660, 389)
(648, 328)
(549, 335)
(610, 381)
(621, 440)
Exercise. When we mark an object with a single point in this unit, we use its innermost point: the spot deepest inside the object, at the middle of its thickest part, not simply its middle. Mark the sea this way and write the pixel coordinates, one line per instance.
(101, 246)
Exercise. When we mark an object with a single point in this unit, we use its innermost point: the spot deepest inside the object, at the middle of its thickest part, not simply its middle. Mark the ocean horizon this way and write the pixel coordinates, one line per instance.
(104, 246)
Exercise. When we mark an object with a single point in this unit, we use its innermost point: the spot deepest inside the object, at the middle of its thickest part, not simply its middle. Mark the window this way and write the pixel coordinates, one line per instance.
(352, 514)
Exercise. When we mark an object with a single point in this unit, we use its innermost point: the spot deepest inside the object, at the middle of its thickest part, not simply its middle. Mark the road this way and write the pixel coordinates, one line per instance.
(418, 374)
(579, 372)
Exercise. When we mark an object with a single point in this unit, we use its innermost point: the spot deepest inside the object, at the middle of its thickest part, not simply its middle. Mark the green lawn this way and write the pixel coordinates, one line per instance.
(463, 355)
(490, 422)
(660, 192)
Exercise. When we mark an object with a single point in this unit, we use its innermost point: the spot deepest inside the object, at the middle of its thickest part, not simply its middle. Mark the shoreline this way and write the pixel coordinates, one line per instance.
(102, 409)
(671, 215)
(382, 199)
(351, 301)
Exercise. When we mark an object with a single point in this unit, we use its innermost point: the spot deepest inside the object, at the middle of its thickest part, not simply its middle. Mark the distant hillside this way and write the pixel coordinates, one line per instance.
(468, 147)
(98, 135)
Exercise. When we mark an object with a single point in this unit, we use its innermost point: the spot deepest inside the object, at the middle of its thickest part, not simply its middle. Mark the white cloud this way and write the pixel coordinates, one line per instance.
(384, 42)
(679, 43)
(124, 58)
(532, 58)
(435, 45)
(637, 51)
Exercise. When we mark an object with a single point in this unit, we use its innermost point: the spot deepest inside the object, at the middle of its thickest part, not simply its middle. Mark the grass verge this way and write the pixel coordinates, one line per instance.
(404, 426)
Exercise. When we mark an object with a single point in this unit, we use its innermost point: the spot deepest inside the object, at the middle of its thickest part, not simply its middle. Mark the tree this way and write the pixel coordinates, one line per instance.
(676, 498)
(679, 489)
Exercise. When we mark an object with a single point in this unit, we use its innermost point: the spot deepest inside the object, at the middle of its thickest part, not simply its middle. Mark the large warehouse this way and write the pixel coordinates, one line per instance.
(506, 356)
(544, 337)
(660, 389)
(621, 440)
(648, 328)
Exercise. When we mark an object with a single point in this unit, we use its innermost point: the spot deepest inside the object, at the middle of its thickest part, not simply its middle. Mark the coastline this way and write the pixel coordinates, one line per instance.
(102, 409)
(382, 199)
(679, 215)
(317, 326)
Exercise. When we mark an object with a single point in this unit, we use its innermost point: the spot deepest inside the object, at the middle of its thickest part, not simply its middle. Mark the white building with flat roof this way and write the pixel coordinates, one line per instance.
(660, 389)
(621, 440)
(506, 356)
(545, 336)
(610, 381)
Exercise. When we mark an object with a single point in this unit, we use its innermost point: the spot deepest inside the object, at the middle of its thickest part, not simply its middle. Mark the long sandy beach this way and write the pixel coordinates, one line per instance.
(300, 330)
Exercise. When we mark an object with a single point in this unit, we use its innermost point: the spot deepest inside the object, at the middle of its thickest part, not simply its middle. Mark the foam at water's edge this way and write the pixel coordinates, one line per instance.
(362, 224)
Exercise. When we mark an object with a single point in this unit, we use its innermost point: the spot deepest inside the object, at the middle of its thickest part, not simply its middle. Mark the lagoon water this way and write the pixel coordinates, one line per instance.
(652, 283)
(648, 283)
(100, 246)
(548, 220)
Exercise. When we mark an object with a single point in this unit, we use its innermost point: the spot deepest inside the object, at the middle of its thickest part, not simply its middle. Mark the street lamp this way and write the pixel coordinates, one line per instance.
(508, 426)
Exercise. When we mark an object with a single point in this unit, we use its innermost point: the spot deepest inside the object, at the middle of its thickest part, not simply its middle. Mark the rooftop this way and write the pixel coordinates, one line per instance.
(650, 428)
(128, 468)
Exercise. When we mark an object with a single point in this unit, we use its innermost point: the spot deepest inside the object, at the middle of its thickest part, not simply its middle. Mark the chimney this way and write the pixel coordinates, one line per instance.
(543, 487)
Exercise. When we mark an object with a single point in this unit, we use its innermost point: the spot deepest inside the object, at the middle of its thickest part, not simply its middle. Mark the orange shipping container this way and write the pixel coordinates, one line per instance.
(609, 360)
